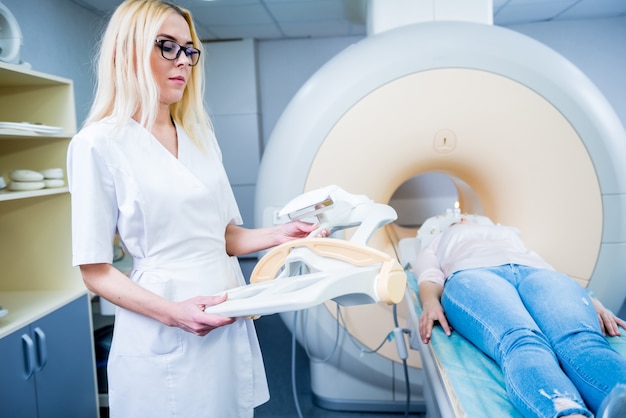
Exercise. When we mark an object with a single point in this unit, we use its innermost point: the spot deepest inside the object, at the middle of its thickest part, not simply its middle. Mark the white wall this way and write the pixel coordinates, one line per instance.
(285, 65)
(60, 39)
(232, 98)
(596, 46)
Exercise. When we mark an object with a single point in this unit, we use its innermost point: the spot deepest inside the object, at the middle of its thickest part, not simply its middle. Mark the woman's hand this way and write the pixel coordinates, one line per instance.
(298, 229)
(240, 241)
(189, 315)
(432, 311)
(608, 321)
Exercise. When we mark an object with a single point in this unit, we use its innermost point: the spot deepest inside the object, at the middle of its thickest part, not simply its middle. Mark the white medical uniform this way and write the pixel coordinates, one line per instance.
(171, 214)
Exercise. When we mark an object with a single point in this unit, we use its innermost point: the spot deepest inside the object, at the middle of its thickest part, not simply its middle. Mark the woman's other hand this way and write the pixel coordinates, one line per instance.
(189, 315)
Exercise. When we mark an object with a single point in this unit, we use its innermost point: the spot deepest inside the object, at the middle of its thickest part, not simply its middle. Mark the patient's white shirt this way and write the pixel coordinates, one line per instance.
(468, 245)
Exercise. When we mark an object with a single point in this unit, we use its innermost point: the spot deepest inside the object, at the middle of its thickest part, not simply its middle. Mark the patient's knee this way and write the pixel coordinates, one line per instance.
(526, 341)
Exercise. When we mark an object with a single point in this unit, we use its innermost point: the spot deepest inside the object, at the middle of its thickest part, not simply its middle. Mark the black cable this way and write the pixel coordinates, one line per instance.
(306, 341)
(357, 344)
(293, 365)
(404, 366)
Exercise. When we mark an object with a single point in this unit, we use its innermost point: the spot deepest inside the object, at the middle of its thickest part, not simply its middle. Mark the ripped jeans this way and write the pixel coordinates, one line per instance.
(542, 330)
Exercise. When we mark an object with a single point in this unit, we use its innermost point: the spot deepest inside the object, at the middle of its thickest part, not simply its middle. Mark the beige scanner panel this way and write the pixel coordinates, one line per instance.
(522, 159)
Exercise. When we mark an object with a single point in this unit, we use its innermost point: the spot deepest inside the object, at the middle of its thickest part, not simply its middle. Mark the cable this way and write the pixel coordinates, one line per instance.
(404, 366)
(335, 345)
(396, 250)
(357, 344)
(397, 330)
(293, 365)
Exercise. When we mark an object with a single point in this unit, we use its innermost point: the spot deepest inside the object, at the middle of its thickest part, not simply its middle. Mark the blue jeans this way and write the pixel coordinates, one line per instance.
(541, 328)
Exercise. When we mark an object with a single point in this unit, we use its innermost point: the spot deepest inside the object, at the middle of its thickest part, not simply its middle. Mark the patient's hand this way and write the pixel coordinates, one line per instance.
(432, 313)
(608, 321)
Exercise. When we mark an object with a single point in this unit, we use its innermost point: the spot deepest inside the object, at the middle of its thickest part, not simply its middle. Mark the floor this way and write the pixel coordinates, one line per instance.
(273, 333)
(275, 340)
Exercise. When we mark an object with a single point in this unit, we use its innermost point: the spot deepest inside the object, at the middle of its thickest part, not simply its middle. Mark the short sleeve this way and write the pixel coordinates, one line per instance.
(94, 205)
(232, 209)
(426, 266)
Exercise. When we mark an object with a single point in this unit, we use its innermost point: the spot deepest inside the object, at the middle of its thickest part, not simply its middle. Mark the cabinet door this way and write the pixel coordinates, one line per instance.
(65, 377)
(17, 375)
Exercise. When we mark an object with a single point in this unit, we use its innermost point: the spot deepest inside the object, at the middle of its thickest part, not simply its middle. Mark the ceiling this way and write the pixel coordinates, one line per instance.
(282, 19)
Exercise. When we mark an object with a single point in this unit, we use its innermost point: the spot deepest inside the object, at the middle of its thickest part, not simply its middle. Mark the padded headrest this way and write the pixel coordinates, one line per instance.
(434, 225)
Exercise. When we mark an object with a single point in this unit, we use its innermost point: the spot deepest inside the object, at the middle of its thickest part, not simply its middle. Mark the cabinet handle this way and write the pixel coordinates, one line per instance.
(42, 348)
(28, 348)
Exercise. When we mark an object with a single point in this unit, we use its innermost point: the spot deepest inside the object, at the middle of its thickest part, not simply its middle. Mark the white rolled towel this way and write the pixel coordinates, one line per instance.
(26, 185)
(52, 173)
(51, 183)
(26, 175)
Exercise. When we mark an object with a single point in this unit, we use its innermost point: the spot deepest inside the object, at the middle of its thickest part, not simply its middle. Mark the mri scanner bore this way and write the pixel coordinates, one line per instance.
(536, 146)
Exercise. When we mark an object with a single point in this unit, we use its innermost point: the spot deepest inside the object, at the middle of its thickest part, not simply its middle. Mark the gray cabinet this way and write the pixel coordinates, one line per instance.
(47, 367)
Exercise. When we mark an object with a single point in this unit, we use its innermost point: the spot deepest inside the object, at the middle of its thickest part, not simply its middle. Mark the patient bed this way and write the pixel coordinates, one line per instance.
(461, 381)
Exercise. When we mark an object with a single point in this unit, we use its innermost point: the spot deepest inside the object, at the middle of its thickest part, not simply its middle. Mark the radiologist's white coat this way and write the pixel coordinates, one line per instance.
(171, 215)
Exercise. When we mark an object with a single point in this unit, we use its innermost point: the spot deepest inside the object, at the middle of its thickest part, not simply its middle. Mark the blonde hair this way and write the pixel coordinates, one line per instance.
(125, 83)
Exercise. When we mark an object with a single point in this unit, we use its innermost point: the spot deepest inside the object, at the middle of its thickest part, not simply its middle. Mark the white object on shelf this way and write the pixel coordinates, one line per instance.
(3, 183)
(3, 312)
(53, 183)
(25, 175)
(20, 186)
(31, 127)
(52, 173)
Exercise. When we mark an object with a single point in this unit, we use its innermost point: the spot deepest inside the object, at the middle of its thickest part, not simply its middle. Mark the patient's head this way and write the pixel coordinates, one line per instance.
(463, 220)
(435, 225)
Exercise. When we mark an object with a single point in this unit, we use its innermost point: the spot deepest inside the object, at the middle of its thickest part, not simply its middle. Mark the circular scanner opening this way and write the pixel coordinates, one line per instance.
(429, 194)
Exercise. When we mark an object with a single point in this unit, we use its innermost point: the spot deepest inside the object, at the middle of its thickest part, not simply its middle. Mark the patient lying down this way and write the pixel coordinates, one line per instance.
(540, 326)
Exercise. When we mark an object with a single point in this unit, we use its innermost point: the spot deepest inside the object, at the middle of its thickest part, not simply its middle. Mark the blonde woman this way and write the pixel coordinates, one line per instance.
(147, 166)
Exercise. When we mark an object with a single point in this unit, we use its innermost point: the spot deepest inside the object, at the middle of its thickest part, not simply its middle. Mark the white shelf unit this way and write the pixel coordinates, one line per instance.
(35, 229)
(37, 278)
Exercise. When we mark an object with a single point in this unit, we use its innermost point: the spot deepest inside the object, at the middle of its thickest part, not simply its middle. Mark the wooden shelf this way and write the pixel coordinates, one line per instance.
(12, 195)
(21, 76)
(24, 135)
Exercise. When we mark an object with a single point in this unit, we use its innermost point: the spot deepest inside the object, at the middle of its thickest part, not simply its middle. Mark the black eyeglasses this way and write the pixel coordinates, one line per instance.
(170, 50)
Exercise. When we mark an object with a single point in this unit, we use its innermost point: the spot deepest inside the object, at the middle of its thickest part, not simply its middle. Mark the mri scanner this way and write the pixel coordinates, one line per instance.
(524, 136)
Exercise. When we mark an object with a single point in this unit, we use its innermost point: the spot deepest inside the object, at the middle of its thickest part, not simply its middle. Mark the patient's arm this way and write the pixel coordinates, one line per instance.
(608, 321)
(432, 311)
